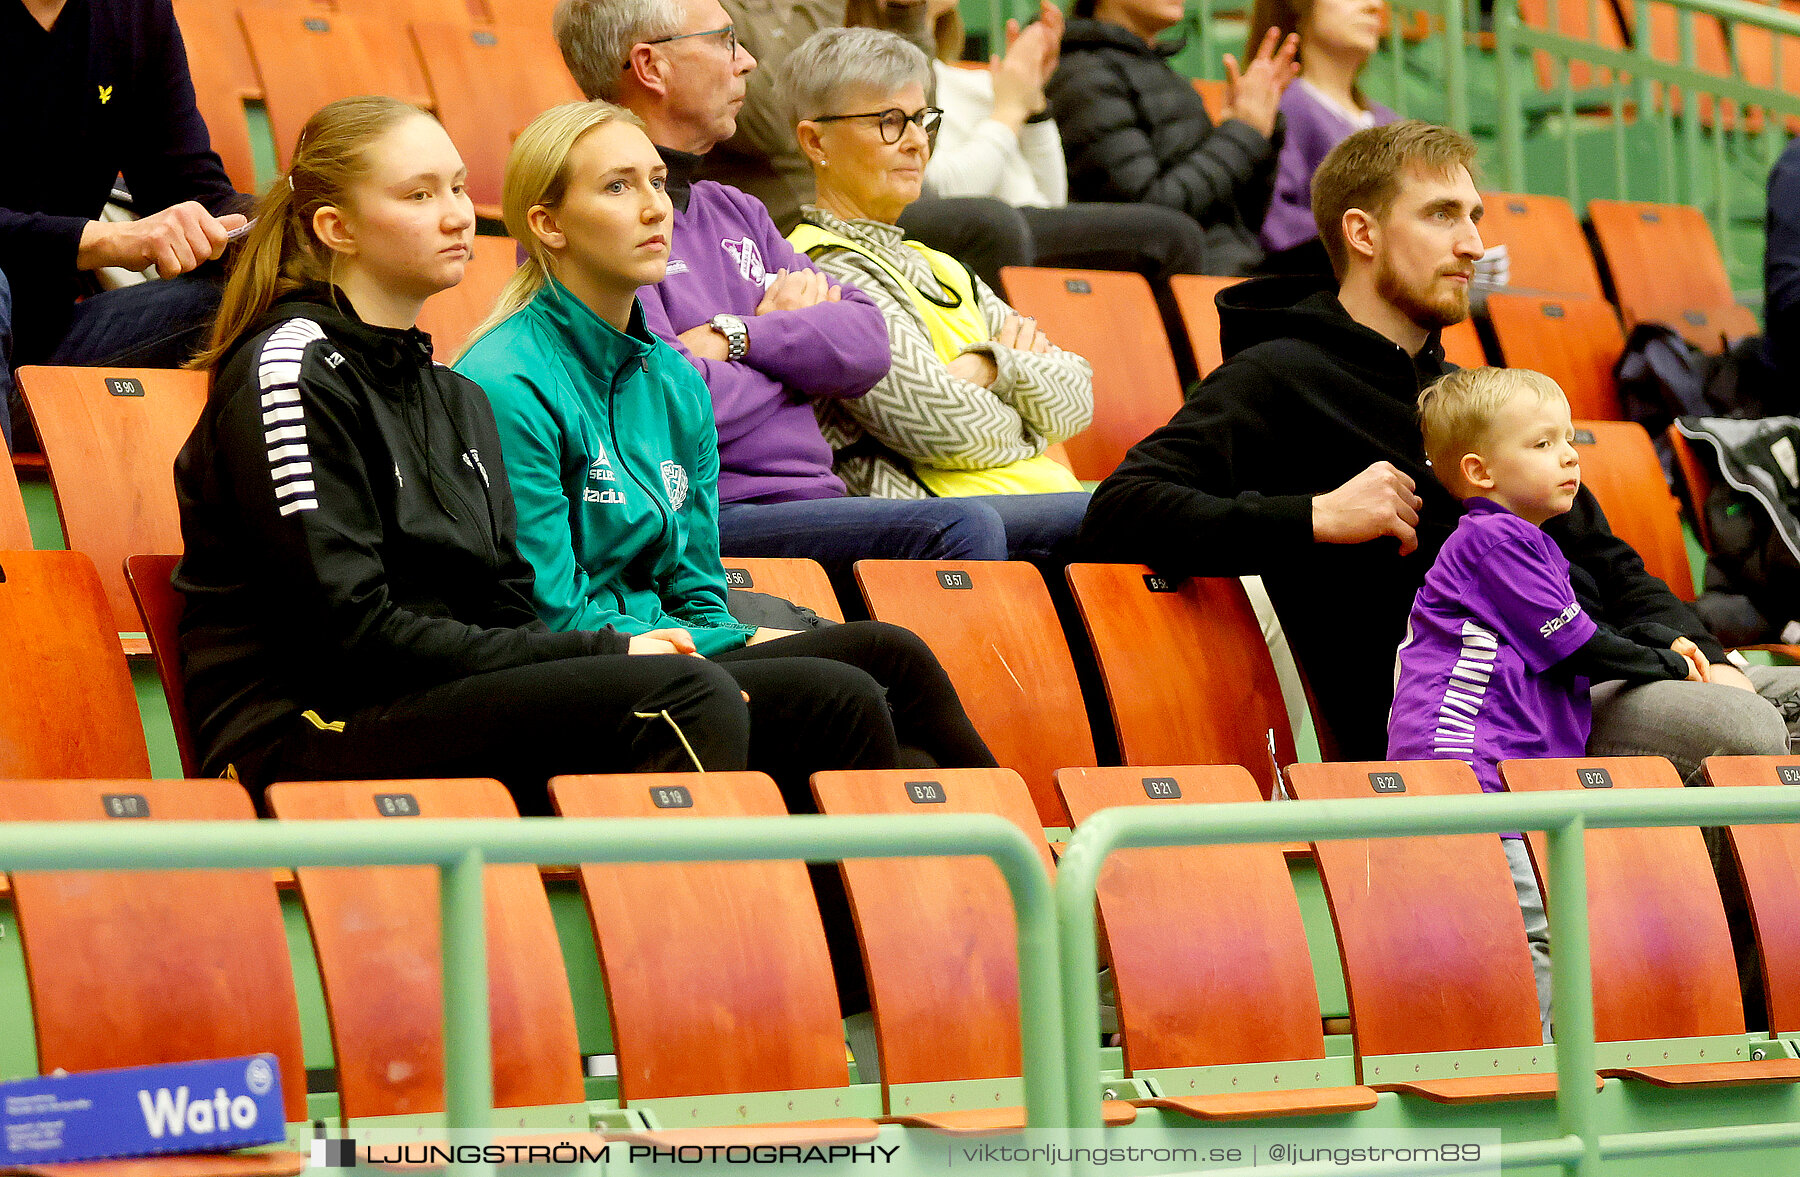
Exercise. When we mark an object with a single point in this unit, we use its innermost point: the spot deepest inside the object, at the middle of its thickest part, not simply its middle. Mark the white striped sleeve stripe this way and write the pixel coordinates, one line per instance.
(284, 414)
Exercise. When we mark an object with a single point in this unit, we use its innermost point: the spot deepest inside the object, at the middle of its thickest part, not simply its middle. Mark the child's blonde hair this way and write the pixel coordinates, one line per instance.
(1456, 412)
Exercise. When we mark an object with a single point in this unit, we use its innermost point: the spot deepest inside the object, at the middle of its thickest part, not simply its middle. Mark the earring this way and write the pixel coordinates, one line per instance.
(823, 162)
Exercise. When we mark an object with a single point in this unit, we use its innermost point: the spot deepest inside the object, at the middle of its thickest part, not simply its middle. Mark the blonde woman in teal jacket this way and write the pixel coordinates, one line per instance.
(610, 446)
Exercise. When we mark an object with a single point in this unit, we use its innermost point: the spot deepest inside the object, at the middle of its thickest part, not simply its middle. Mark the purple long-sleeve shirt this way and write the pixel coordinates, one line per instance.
(1314, 127)
(724, 253)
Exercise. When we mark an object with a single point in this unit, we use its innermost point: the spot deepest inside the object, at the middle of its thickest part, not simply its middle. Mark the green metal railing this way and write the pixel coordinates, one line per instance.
(460, 849)
(1692, 167)
(1564, 816)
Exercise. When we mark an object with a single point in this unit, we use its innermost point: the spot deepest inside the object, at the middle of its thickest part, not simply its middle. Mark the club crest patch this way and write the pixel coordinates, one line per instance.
(675, 482)
(749, 261)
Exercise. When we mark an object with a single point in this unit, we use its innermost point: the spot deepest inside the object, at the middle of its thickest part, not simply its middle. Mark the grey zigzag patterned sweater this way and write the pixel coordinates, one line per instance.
(919, 411)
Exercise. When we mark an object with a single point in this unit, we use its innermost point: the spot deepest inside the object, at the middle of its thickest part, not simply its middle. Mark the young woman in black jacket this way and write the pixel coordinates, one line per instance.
(356, 602)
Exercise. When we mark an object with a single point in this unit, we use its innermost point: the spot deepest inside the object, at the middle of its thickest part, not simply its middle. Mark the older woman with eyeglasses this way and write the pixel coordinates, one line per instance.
(976, 394)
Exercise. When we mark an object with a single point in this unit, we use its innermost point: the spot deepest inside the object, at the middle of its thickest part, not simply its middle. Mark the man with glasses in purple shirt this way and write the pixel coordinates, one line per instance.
(767, 330)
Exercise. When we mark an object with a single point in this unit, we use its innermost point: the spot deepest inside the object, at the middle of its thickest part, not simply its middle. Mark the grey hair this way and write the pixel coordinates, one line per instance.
(831, 61)
(596, 37)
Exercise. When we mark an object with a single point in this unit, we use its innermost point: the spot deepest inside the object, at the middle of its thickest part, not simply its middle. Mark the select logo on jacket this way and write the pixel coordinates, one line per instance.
(675, 483)
(749, 261)
(601, 471)
(283, 418)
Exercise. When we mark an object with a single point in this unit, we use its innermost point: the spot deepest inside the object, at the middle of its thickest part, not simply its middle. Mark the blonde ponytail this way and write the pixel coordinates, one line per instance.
(537, 173)
(281, 254)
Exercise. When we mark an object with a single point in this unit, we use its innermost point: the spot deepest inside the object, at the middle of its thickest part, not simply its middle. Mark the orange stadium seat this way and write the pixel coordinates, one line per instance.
(1434, 950)
(1188, 675)
(378, 941)
(950, 1050)
(1637, 241)
(490, 82)
(111, 436)
(803, 582)
(1660, 950)
(132, 968)
(1194, 297)
(690, 947)
(1205, 997)
(67, 708)
(160, 607)
(1768, 863)
(449, 316)
(1111, 319)
(1546, 251)
(307, 58)
(994, 628)
(1574, 341)
(1620, 467)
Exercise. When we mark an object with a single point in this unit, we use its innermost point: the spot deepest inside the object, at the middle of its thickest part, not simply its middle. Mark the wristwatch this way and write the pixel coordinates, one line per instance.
(737, 336)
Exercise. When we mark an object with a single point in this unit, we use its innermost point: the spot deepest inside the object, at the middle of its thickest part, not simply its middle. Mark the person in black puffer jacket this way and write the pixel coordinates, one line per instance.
(1135, 130)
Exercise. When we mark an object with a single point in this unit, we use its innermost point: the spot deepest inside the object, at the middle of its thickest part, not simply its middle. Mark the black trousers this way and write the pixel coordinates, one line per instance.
(863, 695)
(845, 697)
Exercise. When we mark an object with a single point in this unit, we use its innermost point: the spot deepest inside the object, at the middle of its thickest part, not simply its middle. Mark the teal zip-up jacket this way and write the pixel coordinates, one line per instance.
(612, 453)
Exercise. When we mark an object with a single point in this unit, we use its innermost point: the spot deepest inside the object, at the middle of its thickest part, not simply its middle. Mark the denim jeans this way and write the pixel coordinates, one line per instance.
(150, 325)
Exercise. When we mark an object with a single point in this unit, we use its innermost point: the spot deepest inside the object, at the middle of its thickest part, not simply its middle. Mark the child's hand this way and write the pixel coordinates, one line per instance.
(1695, 659)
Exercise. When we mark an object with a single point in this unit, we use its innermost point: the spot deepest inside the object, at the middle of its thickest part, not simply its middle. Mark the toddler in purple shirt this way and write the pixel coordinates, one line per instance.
(1498, 653)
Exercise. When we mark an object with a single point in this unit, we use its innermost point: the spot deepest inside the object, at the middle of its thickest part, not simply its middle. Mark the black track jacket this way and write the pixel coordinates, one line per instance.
(1307, 399)
(349, 532)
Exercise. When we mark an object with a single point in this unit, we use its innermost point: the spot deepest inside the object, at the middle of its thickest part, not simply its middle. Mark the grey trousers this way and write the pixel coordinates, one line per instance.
(1537, 925)
(1687, 722)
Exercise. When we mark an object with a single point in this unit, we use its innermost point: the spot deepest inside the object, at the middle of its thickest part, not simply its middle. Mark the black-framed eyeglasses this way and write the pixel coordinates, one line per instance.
(729, 32)
(893, 120)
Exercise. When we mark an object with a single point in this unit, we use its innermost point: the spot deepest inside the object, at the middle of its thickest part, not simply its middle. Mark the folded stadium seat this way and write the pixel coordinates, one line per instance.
(1217, 1009)
(307, 57)
(1546, 251)
(223, 77)
(1666, 1003)
(1768, 862)
(1194, 295)
(378, 940)
(132, 968)
(490, 82)
(1574, 341)
(993, 627)
(450, 315)
(1696, 483)
(1187, 672)
(1462, 345)
(384, 26)
(15, 527)
(67, 708)
(1619, 465)
(1712, 55)
(159, 605)
(110, 436)
(1584, 20)
(1641, 243)
(801, 581)
(725, 1013)
(1112, 320)
(941, 951)
(1435, 960)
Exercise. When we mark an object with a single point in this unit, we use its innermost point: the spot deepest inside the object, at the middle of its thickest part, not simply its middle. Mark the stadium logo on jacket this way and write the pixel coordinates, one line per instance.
(675, 481)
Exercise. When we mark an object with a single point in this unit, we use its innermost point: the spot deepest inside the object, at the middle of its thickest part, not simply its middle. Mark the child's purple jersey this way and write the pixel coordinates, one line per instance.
(1495, 611)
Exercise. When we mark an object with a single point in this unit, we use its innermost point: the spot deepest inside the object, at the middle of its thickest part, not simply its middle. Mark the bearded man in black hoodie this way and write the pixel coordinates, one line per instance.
(1300, 459)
